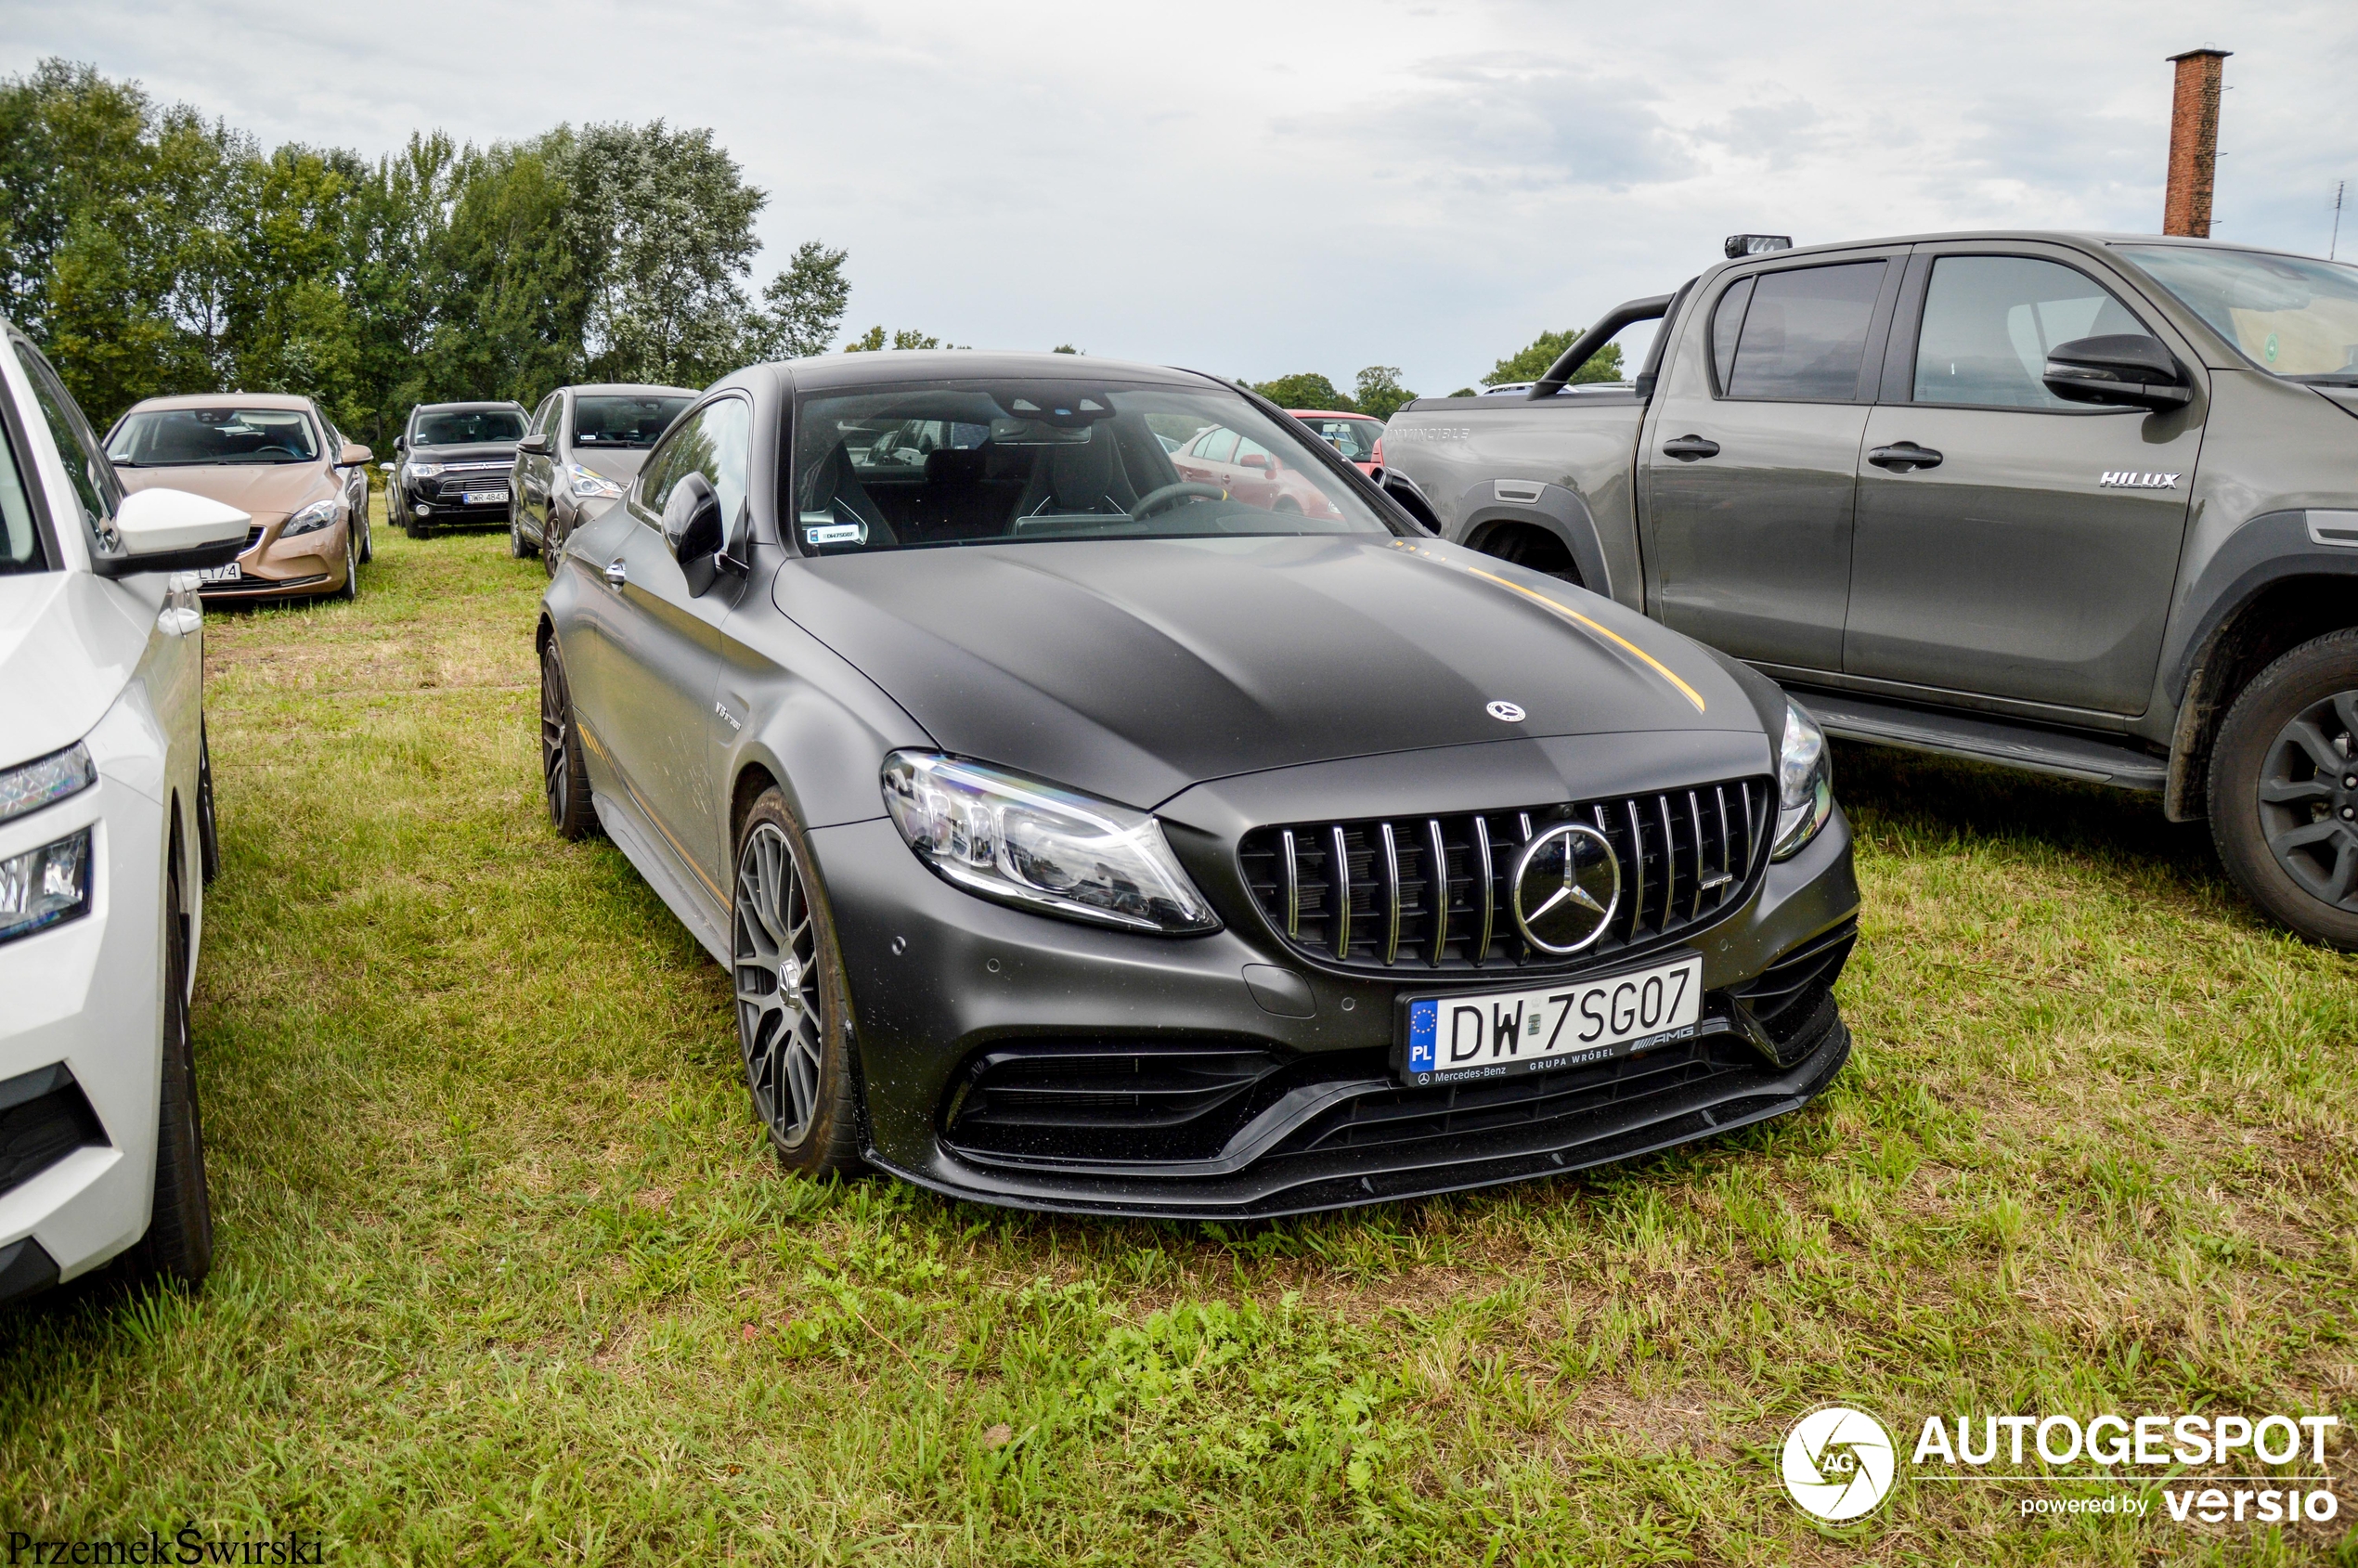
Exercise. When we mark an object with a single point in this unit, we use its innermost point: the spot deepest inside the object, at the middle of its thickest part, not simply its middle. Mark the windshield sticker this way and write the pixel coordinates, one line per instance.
(832, 531)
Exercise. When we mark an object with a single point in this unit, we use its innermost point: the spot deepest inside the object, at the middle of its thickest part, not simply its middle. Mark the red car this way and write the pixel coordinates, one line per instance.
(1359, 438)
(1249, 472)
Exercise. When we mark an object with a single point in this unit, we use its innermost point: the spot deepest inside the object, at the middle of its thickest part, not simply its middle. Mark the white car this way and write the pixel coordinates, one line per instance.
(106, 833)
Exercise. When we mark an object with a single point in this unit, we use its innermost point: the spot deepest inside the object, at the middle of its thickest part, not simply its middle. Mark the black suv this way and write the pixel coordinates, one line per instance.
(454, 465)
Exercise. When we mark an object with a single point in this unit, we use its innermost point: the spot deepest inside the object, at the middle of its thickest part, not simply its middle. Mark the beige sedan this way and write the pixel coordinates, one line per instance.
(274, 456)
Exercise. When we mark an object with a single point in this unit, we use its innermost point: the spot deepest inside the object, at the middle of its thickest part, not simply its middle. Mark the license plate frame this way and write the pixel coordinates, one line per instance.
(213, 576)
(483, 498)
(1557, 1043)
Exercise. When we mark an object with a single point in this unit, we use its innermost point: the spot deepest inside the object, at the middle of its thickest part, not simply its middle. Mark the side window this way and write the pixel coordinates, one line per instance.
(20, 539)
(95, 485)
(1218, 447)
(544, 417)
(1991, 320)
(1726, 322)
(715, 442)
(1804, 333)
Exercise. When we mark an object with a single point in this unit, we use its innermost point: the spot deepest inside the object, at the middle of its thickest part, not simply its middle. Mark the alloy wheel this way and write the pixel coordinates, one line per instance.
(776, 949)
(2309, 799)
(556, 754)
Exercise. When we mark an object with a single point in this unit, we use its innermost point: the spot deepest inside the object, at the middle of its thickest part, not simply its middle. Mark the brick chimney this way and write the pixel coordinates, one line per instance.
(2194, 143)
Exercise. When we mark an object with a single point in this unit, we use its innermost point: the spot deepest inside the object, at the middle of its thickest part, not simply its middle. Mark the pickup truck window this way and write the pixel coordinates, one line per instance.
(1726, 322)
(1804, 333)
(1990, 322)
(2292, 316)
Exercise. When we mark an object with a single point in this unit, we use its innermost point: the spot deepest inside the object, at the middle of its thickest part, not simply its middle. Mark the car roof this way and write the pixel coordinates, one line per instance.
(2084, 238)
(892, 365)
(626, 388)
(1333, 414)
(461, 407)
(224, 400)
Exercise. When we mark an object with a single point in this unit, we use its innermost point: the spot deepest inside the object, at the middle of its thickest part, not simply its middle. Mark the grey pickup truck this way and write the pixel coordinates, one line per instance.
(2078, 503)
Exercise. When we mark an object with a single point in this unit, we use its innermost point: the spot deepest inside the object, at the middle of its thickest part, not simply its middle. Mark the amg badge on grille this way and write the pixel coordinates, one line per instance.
(1567, 884)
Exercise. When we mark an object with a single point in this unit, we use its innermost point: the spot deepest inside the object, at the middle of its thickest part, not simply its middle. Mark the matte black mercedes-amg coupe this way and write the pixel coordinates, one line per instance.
(1083, 837)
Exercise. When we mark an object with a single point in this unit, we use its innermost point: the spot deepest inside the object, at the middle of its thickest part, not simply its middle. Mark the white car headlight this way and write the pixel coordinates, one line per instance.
(1805, 783)
(37, 784)
(45, 886)
(425, 470)
(1023, 842)
(311, 519)
(589, 485)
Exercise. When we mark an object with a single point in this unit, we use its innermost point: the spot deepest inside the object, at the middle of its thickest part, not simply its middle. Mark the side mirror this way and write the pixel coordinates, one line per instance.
(172, 531)
(353, 456)
(388, 467)
(400, 443)
(2127, 371)
(1254, 459)
(691, 529)
(538, 444)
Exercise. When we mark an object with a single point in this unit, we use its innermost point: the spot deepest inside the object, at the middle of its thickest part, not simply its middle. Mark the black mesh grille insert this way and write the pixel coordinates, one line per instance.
(1432, 893)
(43, 1117)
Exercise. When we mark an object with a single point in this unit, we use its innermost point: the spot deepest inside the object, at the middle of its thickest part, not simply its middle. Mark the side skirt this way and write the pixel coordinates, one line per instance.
(643, 848)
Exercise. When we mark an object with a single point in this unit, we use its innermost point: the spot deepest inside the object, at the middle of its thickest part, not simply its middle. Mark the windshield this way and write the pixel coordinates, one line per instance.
(607, 421)
(467, 427)
(170, 437)
(970, 463)
(1355, 439)
(2291, 315)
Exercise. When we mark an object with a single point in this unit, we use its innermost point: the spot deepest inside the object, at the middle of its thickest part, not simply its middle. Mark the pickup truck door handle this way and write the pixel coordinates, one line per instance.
(1903, 456)
(615, 576)
(1687, 449)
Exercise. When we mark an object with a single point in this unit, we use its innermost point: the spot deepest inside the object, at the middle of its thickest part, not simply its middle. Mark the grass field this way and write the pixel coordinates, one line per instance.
(506, 1274)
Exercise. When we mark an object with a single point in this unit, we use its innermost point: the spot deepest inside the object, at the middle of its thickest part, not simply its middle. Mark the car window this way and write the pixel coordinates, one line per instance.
(626, 421)
(226, 434)
(2295, 317)
(1217, 445)
(20, 539)
(1248, 448)
(1990, 322)
(1355, 439)
(715, 443)
(462, 427)
(541, 416)
(1804, 333)
(1726, 322)
(94, 485)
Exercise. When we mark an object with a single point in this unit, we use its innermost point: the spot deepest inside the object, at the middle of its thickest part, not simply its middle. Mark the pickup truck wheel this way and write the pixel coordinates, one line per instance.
(2284, 789)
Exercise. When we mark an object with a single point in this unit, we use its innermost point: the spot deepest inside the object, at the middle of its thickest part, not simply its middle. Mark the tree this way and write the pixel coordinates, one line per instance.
(1307, 390)
(803, 306)
(874, 342)
(1064, 348)
(1531, 362)
(1379, 392)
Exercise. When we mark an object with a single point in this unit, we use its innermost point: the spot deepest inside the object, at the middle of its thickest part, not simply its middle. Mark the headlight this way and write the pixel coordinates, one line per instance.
(45, 886)
(589, 486)
(425, 470)
(1805, 783)
(44, 779)
(1022, 842)
(311, 519)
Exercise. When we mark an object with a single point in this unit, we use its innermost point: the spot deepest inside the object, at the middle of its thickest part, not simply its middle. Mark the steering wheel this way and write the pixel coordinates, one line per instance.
(276, 451)
(1170, 494)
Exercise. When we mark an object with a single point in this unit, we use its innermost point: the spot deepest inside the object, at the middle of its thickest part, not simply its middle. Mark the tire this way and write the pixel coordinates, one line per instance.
(565, 783)
(2284, 790)
(351, 589)
(208, 833)
(793, 1008)
(177, 1250)
(516, 546)
(368, 533)
(415, 529)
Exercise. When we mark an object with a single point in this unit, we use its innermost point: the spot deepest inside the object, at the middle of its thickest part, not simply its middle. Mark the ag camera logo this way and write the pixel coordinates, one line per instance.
(1838, 1463)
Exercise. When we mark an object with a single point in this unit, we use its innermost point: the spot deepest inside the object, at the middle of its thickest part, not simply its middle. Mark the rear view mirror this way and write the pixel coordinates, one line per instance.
(353, 456)
(2127, 371)
(172, 531)
(691, 529)
(536, 445)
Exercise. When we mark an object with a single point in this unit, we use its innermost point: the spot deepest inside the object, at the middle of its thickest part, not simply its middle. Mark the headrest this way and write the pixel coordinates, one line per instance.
(954, 465)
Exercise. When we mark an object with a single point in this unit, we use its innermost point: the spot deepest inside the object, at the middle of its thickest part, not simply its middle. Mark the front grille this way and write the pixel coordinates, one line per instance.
(1111, 1099)
(253, 537)
(1433, 894)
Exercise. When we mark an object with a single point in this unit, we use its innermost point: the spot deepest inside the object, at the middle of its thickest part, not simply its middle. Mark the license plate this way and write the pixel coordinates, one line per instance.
(228, 573)
(480, 497)
(1538, 1028)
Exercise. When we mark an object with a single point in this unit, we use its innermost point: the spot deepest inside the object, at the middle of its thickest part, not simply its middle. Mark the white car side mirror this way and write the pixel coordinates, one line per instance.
(171, 531)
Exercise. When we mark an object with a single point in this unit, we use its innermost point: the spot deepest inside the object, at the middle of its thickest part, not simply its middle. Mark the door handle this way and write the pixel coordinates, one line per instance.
(1902, 455)
(1687, 449)
(615, 576)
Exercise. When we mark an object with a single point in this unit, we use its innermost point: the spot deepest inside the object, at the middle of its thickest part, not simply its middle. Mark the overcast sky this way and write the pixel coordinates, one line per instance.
(1261, 188)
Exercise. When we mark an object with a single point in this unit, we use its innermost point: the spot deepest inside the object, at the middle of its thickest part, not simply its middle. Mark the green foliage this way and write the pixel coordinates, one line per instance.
(1531, 362)
(1308, 389)
(875, 341)
(149, 251)
(1379, 392)
(1064, 348)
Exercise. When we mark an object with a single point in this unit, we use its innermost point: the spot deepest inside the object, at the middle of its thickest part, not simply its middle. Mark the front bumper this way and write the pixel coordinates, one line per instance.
(437, 502)
(942, 983)
(273, 565)
(85, 997)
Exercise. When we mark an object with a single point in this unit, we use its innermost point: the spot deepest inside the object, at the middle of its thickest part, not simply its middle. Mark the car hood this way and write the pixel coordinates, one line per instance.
(262, 489)
(1135, 668)
(68, 643)
(620, 464)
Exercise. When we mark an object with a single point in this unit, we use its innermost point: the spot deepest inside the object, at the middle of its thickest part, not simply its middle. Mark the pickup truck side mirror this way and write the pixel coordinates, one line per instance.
(172, 531)
(2124, 371)
(535, 443)
(691, 529)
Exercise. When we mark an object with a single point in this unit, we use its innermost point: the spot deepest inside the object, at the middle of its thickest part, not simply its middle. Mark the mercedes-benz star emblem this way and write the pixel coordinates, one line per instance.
(1506, 712)
(1567, 886)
